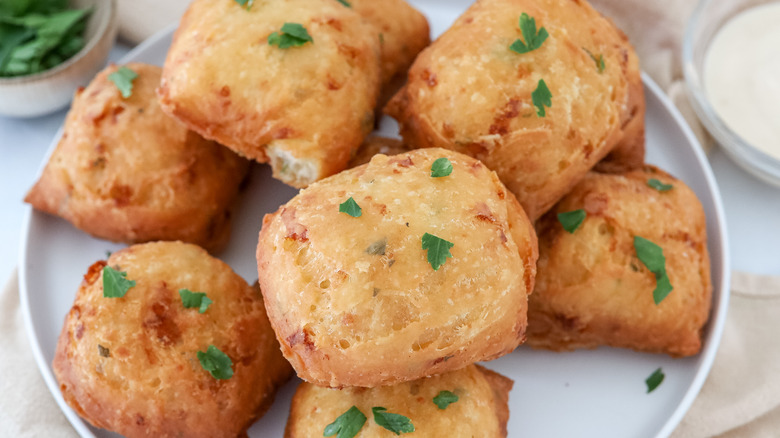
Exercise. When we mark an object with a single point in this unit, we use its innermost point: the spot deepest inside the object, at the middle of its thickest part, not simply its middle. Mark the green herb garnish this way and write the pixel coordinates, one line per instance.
(658, 185)
(38, 35)
(599, 60)
(654, 380)
(345, 3)
(438, 250)
(444, 399)
(395, 423)
(292, 35)
(652, 256)
(115, 283)
(533, 40)
(541, 98)
(441, 167)
(198, 300)
(347, 425)
(246, 3)
(351, 208)
(123, 79)
(571, 220)
(217, 363)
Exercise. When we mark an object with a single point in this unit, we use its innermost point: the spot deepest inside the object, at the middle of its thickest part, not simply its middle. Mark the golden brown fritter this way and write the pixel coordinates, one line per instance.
(126, 172)
(130, 364)
(469, 92)
(355, 302)
(480, 411)
(304, 109)
(592, 289)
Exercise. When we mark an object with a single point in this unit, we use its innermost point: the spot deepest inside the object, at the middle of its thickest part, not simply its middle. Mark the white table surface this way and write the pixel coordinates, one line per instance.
(752, 207)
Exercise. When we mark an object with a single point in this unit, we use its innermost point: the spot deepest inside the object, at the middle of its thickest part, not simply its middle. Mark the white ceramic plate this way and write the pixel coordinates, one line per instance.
(598, 393)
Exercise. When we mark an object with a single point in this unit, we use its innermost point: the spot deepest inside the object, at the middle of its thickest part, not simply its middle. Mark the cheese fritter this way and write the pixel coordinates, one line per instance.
(480, 410)
(355, 301)
(130, 364)
(469, 92)
(126, 172)
(591, 287)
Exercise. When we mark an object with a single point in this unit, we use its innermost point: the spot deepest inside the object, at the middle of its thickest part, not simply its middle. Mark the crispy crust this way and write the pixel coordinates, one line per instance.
(468, 92)
(347, 317)
(149, 383)
(591, 288)
(303, 109)
(481, 410)
(124, 171)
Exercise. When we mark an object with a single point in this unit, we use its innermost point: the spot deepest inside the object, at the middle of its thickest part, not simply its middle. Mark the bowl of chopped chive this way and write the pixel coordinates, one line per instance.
(48, 48)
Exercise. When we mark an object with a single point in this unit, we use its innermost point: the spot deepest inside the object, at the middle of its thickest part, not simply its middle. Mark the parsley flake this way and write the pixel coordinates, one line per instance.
(438, 250)
(217, 363)
(533, 40)
(246, 3)
(395, 423)
(599, 60)
(123, 79)
(345, 3)
(115, 283)
(103, 351)
(198, 300)
(541, 98)
(351, 208)
(347, 425)
(441, 167)
(654, 380)
(445, 398)
(292, 35)
(658, 185)
(652, 256)
(571, 220)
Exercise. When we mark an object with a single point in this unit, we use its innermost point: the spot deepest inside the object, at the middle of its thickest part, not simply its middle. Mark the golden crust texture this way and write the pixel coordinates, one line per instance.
(126, 172)
(303, 109)
(481, 409)
(354, 301)
(130, 364)
(592, 289)
(470, 93)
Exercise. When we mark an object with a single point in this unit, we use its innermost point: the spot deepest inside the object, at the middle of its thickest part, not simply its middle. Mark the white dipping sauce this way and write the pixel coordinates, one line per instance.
(742, 76)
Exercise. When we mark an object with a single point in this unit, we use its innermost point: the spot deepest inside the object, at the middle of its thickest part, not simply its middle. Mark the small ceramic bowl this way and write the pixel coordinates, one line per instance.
(706, 21)
(50, 90)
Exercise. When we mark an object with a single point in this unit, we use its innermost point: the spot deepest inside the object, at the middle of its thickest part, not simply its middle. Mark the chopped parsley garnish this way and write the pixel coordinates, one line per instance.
(115, 283)
(347, 425)
(217, 363)
(444, 399)
(292, 35)
(103, 351)
(541, 98)
(658, 185)
(533, 40)
(351, 208)
(198, 300)
(38, 35)
(654, 380)
(652, 256)
(345, 3)
(438, 250)
(246, 3)
(123, 79)
(395, 423)
(599, 60)
(571, 220)
(441, 167)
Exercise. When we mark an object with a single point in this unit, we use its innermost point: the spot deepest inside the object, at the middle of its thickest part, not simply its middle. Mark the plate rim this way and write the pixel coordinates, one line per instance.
(717, 318)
